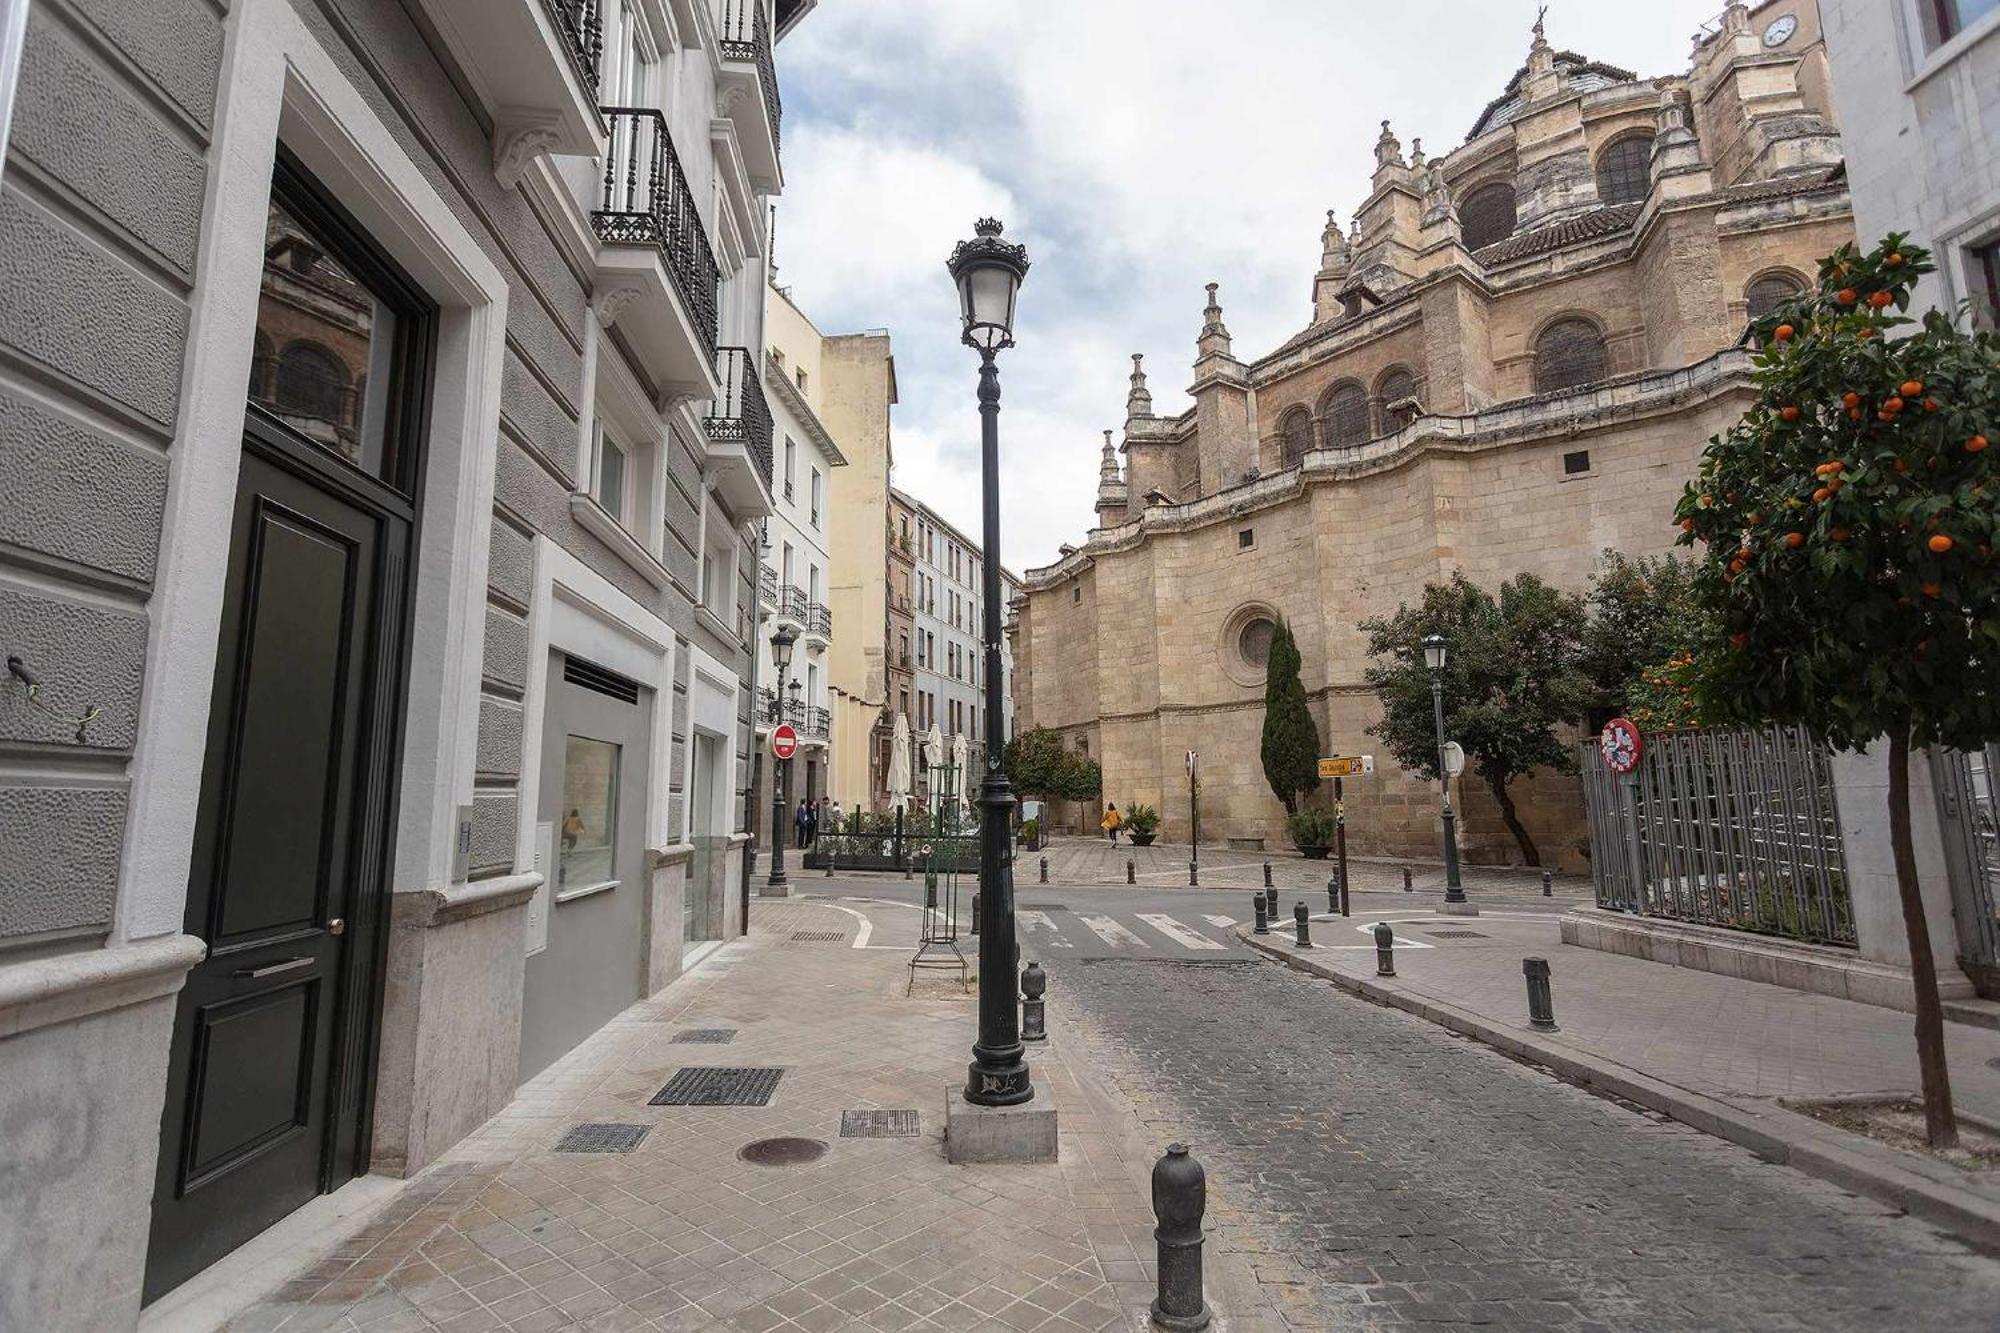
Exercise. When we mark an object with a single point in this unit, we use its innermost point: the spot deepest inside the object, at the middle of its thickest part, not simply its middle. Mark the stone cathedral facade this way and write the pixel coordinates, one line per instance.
(1515, 355)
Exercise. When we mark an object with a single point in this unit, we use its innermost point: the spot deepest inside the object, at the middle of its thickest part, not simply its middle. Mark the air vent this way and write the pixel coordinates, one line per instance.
(594, 677)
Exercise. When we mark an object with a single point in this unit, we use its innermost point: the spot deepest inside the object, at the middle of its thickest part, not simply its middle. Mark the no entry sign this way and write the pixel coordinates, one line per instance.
(784, 741)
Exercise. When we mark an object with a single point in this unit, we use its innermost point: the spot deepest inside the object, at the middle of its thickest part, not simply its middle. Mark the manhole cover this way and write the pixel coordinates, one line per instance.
(712, 1036)
(782, 1152)
(602, 1138)
(1452, 934)
(716, 1085)
(818, 936)
(878, 1125)
(1044, 907)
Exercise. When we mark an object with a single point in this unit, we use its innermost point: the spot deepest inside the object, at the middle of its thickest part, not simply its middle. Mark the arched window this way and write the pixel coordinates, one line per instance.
(1296, 436)
(312, 383)
(1767, 293)
(1394, 389)
(1625, 170)
(1487, 215)
(1346, 416)
(1570, 353)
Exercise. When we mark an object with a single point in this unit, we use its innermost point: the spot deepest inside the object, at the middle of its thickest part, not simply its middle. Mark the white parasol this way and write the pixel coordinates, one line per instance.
(899, 764)
(958, 761)
(933, 760)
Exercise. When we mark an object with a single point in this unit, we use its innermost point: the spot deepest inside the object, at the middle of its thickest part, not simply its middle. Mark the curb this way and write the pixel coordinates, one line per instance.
(1848, 1160)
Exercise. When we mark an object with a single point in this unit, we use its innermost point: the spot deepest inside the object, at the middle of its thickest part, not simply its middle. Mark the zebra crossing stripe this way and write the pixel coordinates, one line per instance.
(1224, 921)
(1041, 921)
(1110, 931)
(1177, 932)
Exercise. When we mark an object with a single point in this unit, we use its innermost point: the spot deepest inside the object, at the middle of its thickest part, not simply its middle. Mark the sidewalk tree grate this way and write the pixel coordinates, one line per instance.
(818, 936)
(1451, 934)
(710, 1036)
(719, 1085)
(602, 1138)
(782, 1152)
(879, 1125)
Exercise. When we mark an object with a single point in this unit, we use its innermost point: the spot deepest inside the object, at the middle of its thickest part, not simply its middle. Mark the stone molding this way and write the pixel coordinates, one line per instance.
(68, 986)
(678, 854)
(428, 907)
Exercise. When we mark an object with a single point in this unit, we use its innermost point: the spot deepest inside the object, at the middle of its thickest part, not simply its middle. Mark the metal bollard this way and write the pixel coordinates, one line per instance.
(1548, 881)
(1271, 905)
(830, 857)
(1263, 917)
(1194, 874)
(975, 914)
(1541, 1002)
(1385, 950)
(1131, 871)
(1180, 1197)
(1406, 879)
(1267, 874)
(1045, 870)
(1332, 893)
(1302, 921)
(1034, 1010)
(1344, 909)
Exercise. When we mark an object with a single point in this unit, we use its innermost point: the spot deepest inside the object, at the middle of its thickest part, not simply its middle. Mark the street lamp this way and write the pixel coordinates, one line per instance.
(1434, 658)
(988, 272)
(781, 780)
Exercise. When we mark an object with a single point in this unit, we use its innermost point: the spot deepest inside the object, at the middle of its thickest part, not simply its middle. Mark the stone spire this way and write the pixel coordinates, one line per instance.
(1417, 155)
(1138, 401)
(1107, 467)
(1542, 81)
(1333, 251)
(1388, 149)
(1112, 494)
(1214, 339)
(1336, 261)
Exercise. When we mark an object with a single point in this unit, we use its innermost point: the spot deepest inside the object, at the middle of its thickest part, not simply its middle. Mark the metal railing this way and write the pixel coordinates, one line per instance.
(1969, 812)
(792, 603)
(1722, 828)
(808, 719)
(742, 415)
(647, 201)
(767, 586)
(582, 29)
(746, 35)
(819, 621)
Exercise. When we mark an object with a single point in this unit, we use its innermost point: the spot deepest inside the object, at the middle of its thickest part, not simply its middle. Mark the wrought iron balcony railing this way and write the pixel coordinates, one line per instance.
(767, 586)
(746, 35)
(820, 621)
(793, 604)
(582, 29)
(767, 703)
(742, 415)
(808, 719)
(647, 201)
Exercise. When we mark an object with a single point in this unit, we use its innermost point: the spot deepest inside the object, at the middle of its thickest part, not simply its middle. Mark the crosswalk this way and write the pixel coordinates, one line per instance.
(1143, 934)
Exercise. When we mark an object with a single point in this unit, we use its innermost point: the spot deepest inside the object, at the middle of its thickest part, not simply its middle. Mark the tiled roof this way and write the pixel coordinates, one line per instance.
(1778, 187)
(1569, 65)
(1583, 227)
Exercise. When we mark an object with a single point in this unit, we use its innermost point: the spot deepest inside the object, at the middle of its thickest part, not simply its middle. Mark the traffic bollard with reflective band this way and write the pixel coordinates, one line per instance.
(1034, 1009)
(1302, 921)
(1180, 1197)
(1263, 917)
(1385, 950)
(1541, 1001)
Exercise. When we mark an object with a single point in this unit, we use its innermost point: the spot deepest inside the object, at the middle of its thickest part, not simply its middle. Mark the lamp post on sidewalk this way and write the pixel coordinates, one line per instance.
(781, 776)
(988, 273)
(1434, 658)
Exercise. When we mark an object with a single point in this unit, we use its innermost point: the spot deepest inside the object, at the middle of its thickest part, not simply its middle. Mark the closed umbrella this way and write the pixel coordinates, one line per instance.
(958, 761)
(899, 764)
(933, 760)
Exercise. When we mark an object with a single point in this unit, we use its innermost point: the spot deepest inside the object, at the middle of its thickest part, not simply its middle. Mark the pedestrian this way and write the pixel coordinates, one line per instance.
(839, 817)
(802, 823)
(572, 829)
(1111, 822)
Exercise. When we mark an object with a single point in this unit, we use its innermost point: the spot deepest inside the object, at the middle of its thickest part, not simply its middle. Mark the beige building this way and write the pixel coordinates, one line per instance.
(1514, 358)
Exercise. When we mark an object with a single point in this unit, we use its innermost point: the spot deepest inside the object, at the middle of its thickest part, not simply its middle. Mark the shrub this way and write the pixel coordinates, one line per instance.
(1311, 827)
(1142, 820)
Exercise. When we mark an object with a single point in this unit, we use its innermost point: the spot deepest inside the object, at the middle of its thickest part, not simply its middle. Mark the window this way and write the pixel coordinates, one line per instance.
(799, 375)
(1577, 462)
(718, 570)
(1945, 19)
(610, 480)
(903, 702)
(1246, 539)
(589, 827)
(1568, 355)
(791, 460)
(1986, 274)
(1254, 641)
(1766, 294)
(1076, 595)
(1396, 390)
(903, 643)
(1625, 170)
(815, 497)
(1346, 416)
(1487, 215)
(1295, 436)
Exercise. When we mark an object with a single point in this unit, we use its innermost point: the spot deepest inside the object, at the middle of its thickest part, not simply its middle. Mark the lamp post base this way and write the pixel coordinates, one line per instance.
(1024, 1132)
(1459, 908)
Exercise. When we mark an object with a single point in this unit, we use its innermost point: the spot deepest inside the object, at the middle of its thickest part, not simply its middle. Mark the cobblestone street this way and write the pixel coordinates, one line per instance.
(1378, 1171)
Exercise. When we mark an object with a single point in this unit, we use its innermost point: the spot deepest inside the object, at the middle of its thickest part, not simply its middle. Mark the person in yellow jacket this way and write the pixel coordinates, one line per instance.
(1111, 822)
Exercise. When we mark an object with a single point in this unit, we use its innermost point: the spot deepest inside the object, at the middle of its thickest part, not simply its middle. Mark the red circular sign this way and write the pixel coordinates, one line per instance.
(784, 741)
(1621, 744)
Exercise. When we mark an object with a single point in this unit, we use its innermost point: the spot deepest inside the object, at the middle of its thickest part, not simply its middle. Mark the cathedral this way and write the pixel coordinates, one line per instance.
(1515, 354)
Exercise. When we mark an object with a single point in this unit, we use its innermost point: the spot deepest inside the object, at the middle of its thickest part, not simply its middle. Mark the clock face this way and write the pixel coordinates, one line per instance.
(1780, 30)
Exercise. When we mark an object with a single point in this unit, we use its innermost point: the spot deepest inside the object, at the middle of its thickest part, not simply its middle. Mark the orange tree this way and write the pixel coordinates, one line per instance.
(1846, 527)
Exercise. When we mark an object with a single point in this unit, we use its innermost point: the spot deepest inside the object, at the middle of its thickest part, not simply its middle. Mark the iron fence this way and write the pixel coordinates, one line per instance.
(582, 29)
(742, 414)
(646, 200)
(1969, 810)
(1722, 828)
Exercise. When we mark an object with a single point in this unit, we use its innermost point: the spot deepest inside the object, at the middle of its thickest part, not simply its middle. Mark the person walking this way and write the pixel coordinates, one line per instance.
(802, 824)
(839, 818)
(1111, 822)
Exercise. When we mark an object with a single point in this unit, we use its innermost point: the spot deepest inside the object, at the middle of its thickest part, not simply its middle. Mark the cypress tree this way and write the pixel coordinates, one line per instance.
(1291, 740)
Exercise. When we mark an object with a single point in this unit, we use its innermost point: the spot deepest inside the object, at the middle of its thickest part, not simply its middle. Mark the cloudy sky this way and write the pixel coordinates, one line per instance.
(1140, 150)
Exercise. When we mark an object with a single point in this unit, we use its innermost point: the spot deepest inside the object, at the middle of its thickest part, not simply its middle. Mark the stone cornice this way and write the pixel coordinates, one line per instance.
(816, 431)
(65, 987)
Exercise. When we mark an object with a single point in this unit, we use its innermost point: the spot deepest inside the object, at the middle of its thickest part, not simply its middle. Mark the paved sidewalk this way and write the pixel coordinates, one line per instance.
(680, 1233)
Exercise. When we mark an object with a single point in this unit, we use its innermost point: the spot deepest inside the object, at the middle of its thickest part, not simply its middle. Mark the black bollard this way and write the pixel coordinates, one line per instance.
(975, 914)
(1302, 921)
(1045, 870)
(830, 858)
(1548, 881)
(1267, 874)
(1343, 891)
(1406, 879)
(1385, 950)
(1180, 1197)
(1034, 1011)
(1131, 871)
(1271, 905)
(1541, 1002)
(1332, 893)
(1263, 917)
(1194, 874)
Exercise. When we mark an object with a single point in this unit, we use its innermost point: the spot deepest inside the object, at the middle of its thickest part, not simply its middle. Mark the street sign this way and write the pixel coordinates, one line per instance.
(1190, 762)
(784, 741)
(1621, 744)
(1347, 766)
(1454, 758)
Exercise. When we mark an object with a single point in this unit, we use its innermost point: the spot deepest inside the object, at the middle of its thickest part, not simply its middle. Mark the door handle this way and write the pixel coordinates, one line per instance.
(272, 969)
(337, 926)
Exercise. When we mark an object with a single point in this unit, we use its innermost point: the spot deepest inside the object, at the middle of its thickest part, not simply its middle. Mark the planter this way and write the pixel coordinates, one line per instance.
(1143, 839)
(1315, 853)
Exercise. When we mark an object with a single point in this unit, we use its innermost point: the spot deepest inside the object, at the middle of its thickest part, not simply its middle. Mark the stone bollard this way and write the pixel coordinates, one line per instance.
(1406, 879)
(1332, 893)
(1131, 871)
(1034, 1011)
(1271, 905)
(1180, 1197)
(1263, 917)
(1194, 874)
(1045, 870)
(1267, 874)
(1548, 884)
(830, 856)
(1385, 950)
(975, 914)
(1303, 922)
(1541, 1002)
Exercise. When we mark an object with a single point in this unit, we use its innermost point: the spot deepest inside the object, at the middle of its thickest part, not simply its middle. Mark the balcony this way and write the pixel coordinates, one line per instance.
(793, 607)
(767, 588)
(739, 434)
(657, 280)
(750, 89)
(809, 721)
(532, 64)
(819, 626)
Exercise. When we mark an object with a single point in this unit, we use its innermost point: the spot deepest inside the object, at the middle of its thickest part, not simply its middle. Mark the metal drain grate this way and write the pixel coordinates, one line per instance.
(879, 1125)
(1451, 934)
(710, 1036)
(602, 1138)
(818, 936)
(719, 1085)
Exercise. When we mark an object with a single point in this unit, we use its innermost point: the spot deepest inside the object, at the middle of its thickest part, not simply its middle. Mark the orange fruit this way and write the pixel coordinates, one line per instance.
(1789, 412)
(1911, 388)
(1939, 544)
(1850, 399)
(1705, 501)
(1976, 444)
(1880, 299)
(1839, 534)
(1736, 566)
(1854, 412)
(1930, 404)
(1864, 333)
(1687, 525)
(1900, 467)
(1932, 589)
(1795, 540)
(1894, 259)
(1821, 495)
(1846, 296)
(1753, 519)
(1784, 333)
(1893, 405)
(1744, 553)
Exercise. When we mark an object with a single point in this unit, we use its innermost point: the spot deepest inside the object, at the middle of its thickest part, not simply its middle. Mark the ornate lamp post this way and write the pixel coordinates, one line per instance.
(988, 271)
(1434, 658)
(781, 779)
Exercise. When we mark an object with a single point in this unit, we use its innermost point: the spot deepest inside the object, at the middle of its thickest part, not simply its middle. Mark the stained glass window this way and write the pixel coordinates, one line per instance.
(1570, 353)
(1347, 416)
(1625, 170)
(1296, 435)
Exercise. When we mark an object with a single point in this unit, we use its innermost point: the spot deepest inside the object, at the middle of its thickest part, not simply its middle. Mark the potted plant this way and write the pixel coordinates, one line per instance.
(1312, 831)
(1142, 824)
(1031, 833)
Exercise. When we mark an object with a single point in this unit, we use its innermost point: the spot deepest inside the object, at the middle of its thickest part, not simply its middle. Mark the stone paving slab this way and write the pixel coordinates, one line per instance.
(681, 1234)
